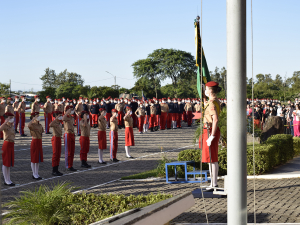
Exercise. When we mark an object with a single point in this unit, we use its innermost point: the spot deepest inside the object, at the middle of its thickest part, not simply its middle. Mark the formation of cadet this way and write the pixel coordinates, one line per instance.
(65, 114)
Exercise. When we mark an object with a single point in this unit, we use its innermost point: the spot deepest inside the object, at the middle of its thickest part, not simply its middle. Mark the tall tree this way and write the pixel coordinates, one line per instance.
(174, 64)
(147, 69)
(4, 89)
(49, 78)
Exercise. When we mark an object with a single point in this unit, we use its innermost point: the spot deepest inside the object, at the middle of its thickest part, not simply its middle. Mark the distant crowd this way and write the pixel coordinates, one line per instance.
(265, 108)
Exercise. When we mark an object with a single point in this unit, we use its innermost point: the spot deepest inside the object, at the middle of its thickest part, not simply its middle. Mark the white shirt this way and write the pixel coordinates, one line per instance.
(279, 111)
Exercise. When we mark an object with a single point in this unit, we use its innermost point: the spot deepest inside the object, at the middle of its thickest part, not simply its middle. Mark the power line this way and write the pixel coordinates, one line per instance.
(24, 83)
(98, 80)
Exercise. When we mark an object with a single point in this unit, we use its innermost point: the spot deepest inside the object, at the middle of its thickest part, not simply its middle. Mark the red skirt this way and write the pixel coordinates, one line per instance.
(8, 154)
(129, 138)
(213, 147)
(102, 140)
(36, 151)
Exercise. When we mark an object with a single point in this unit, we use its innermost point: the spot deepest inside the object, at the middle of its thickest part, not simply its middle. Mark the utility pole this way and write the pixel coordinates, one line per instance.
(236, 113)
(115, 78)
(9, 86)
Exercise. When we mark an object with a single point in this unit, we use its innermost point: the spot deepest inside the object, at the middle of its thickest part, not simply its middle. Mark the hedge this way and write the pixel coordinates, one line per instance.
(277, 150)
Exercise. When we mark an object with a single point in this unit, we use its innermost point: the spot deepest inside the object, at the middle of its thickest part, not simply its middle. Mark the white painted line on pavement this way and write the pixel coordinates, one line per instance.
(95, 186)
(93, 168)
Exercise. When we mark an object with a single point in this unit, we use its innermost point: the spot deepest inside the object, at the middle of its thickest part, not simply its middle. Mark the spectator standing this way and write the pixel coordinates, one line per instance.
(296, 114)
(290, 119)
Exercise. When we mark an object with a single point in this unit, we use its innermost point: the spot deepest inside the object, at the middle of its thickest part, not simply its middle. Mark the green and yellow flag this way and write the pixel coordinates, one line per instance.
(204, 67)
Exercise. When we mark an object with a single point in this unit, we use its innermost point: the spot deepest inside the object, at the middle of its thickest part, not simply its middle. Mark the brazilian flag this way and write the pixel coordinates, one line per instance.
(204, 67)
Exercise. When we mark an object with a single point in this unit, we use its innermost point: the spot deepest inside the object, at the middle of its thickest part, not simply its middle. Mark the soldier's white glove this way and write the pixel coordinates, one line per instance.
(209, 140)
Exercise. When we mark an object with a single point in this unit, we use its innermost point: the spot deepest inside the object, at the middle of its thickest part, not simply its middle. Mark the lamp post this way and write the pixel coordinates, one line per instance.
(114, 78)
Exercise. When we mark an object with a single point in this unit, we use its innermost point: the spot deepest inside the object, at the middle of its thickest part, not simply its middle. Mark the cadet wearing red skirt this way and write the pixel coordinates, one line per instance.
(56, 142)
(36, 148)
(84, 139)
(101, 135)
(129, 138)
(69, 138)
(210, 120)
(140, 113)
(113, 136)
(8, 147)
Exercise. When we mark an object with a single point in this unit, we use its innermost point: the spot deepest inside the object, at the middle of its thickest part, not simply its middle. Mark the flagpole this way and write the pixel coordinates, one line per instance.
(236, 113)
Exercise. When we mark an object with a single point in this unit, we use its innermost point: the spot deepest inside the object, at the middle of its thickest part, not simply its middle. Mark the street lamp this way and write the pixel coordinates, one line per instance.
(114, 78)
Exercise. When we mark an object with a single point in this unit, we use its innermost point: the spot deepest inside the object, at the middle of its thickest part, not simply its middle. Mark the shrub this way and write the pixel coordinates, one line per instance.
(59, 206)
(296, 142)
(41, 206)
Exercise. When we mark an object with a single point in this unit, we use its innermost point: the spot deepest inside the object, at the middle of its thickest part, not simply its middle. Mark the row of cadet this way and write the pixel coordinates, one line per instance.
(68, 137)
(151, 114)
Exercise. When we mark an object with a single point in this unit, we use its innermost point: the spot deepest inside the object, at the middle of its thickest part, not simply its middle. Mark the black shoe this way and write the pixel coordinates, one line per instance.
(119, 127)
(156, 128)
(78, 134)
(23, 135)
(16, 131)
(168, 128)
(39, 178)
(115, 160)
(189, 125)
(48, 133)
(151, 129)
(1, 138)
(86, 166)
(101, 162)
(12, 184)
(57, 173)
(72, 169)
(129, 157)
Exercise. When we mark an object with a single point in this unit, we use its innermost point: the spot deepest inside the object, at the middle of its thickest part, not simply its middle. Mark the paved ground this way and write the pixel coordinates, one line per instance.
(277, 200)
(147, 152)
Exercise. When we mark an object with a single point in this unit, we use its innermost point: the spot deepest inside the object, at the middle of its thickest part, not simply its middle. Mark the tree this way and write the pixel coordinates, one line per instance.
(174, 64)
(4, 89)
(49, 78)
(146, 85)
(147, 69)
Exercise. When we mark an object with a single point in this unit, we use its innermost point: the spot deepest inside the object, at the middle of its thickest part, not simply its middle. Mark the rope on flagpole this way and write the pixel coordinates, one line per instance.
(254, 203)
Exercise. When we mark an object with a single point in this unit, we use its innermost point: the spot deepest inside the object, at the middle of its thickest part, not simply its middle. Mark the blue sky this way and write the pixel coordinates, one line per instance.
(90, 37)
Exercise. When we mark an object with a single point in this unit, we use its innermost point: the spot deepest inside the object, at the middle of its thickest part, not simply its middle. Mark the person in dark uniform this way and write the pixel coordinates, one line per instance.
(147, 116)
(94, 111)
(134, 106)
(180, 111)
(175, 113)
(158, 114)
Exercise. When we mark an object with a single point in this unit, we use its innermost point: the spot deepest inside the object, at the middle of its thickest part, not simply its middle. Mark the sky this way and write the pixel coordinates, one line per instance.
(93, 36)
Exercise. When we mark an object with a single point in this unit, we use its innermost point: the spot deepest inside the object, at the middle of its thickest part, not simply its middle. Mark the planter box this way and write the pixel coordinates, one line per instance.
(159, 213)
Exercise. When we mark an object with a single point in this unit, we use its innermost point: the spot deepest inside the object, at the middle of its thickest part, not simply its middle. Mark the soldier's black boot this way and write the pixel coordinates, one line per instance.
(151, 129)
(84, 164)
(55, 171)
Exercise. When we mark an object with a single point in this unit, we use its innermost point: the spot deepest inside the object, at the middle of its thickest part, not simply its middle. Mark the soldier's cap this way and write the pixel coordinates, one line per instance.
(91, 99)
(80, 97)
(9, 98)
(74, 99)
(16, 96)
(62, 97)
(68, 99)
(179, 99)
(35, 113)
(256, 105)
(36, 96)
(212, 84)
(102, 109)
(55, 99)
(2, 98)
(57, 112)
(59, 99)
(114, 110)
(128, 107)
(9, 114)
(159, 100)
(169, 98)
(22, 96)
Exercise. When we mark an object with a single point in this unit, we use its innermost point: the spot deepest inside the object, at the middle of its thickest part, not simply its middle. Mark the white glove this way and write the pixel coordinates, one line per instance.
(209, 140)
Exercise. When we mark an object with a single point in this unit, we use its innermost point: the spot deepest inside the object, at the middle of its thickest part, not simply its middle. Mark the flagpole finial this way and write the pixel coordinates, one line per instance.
(198, 18)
